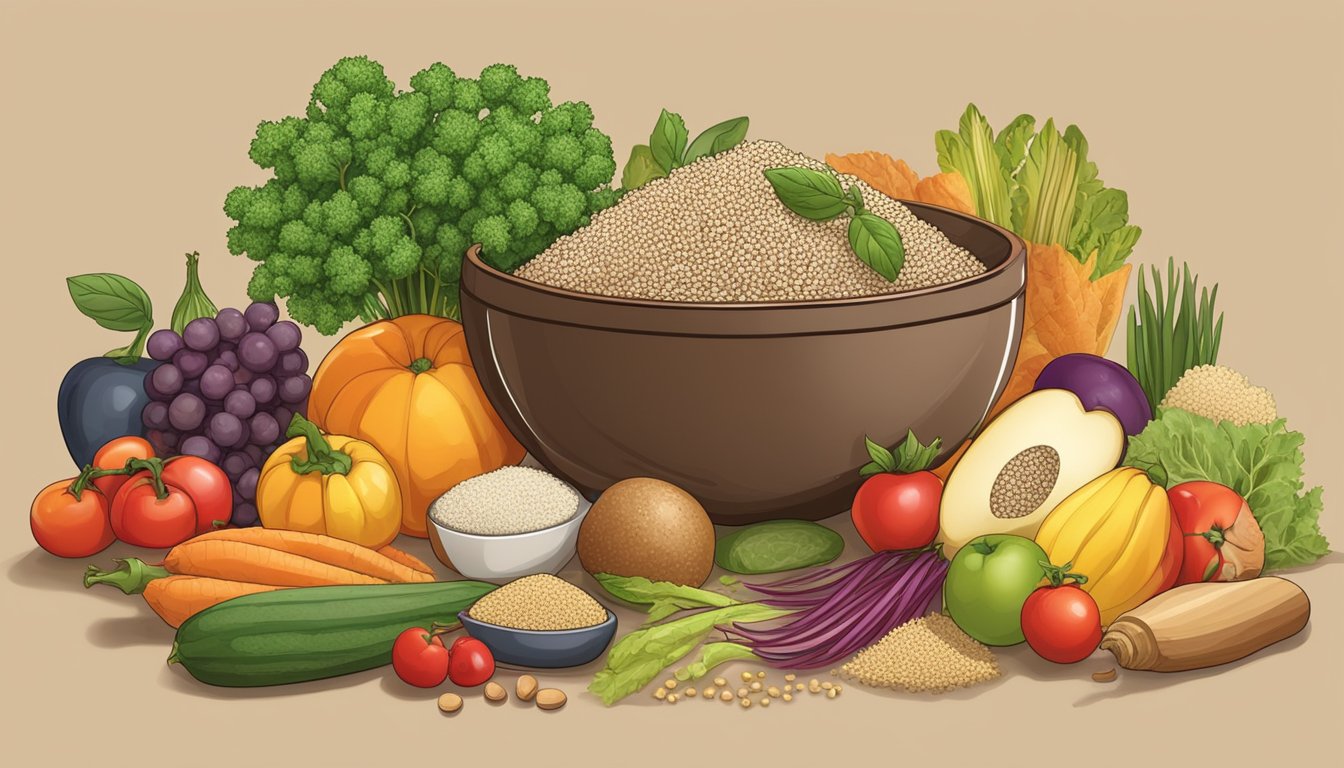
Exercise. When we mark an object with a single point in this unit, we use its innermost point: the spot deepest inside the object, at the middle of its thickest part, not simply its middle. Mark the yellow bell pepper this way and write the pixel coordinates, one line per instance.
(329, 484)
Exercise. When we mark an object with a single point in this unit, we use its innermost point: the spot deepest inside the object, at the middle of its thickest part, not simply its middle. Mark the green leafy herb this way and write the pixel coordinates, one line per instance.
(777, 545)
(717, 138)
(662, 598)
(1041, 185)
(714, 655)
(636, 659)
(117, 304)
(1261, 462)
(668, 141)
(1169, 336)
(817, 195)
(668, 150)
(910, 456)
(193, 303)
(729, 581)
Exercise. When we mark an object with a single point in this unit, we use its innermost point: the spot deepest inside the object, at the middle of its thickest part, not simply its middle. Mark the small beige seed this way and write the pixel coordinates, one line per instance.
(773, 691)
(689, 693)
(742, 693)
(720, 682)
(710, 693)
(660, 693)
(788, 697)
(746, 703)
(755, 685)
(670, 684)
(672, 698)
(789, 678)
(765, 701)
(832, 693)
(551, 698)
(526, 687)
(828, 685)
(726, 696)
(450, 702)
(746, 677)
(495, 692)
(760, 675)
(800, 687)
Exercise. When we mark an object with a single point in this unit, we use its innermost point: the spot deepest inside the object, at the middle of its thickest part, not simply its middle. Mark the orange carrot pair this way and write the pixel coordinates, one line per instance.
(224, 564)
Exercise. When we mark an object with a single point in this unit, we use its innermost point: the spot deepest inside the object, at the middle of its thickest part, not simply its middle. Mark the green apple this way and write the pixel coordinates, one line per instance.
(987, 583)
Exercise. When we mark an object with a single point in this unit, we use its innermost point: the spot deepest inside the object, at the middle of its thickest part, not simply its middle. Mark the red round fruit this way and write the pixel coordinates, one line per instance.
(140, 518)
(1062, 624)
(113, 455)
(208, 487)
(419, 658)
(898, 511)
(470, 662)
(67, 526)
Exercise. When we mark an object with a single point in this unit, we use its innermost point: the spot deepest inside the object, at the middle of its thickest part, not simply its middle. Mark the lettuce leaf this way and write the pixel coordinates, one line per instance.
(1262, 462)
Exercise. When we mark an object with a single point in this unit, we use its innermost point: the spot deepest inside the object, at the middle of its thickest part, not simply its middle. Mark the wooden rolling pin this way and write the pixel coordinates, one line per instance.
(1204, 625)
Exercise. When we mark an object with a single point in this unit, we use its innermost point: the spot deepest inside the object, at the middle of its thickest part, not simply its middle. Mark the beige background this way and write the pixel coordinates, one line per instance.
(124, 126)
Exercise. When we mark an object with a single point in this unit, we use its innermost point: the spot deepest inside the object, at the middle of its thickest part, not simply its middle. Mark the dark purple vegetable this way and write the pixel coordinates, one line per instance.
(1100, 384)
(841, 610)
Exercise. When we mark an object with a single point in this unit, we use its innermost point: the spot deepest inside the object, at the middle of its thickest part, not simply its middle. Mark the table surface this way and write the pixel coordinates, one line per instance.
(127, 124)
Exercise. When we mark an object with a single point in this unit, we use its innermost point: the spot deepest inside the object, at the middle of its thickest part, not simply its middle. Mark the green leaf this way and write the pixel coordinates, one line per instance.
(1114, 249)
(914, 456)
(811, 194)
(668, 141)
(712, 656)
(717, 138)
(662, 598)
(1011, 143)
(1049, 184)
(973, 153)
(114, 302)
(882, 458)
(855, 197)
(877, 243)
(640, 169)
(1261, 462)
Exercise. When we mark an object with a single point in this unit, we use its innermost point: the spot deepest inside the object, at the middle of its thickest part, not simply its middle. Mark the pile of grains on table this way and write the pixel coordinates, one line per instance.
(714, 231)
(925, 655)
(541, 602)
(509, 500)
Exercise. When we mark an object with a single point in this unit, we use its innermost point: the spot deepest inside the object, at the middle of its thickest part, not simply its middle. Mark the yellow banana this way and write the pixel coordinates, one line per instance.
(1120, 587)
(1081, 511)
(1096, 554)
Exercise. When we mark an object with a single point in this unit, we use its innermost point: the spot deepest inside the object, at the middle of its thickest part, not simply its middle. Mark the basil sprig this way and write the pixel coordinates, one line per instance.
(817, 195)
(117, 304)
(670, 147)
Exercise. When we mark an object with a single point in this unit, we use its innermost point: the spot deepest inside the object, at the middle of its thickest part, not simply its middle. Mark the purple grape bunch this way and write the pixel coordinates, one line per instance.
(226, 391)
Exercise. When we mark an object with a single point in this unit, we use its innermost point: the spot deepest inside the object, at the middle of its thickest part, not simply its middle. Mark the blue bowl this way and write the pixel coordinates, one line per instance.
(543, 649)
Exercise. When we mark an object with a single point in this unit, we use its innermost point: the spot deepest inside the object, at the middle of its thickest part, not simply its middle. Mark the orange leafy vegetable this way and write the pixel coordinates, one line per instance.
(1066, 312)
(894, 178)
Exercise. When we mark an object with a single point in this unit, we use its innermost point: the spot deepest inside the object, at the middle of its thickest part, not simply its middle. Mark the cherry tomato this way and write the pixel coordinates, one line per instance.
(167, 502)
(113, 455)
(898, 511)
(1062, 623)
(70, 526)
(470, 662)
(419, 658)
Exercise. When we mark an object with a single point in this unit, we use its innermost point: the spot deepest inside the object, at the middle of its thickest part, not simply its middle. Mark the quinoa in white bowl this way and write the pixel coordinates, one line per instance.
(510, 500)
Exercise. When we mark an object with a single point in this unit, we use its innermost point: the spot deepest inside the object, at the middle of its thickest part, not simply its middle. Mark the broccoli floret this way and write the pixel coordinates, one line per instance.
(376, 193)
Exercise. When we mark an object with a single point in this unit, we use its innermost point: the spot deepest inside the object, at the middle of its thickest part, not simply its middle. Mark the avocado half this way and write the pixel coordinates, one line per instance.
(1031, 457)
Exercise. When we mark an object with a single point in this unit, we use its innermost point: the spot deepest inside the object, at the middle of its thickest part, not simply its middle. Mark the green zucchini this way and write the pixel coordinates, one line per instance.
(310, 633)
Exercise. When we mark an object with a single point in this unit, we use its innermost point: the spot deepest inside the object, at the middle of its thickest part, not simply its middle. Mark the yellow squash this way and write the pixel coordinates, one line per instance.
(332, 485)
(1119, 531)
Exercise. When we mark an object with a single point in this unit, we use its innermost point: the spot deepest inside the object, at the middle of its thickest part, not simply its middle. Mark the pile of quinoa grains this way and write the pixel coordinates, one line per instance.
(540, 602)
(714, 231)
(509, 500)
(754, 690)
(926, 655)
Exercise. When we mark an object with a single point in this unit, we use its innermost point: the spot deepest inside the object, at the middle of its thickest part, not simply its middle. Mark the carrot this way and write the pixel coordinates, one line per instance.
(312, 546)
(177, 598)
(406, 559)
(238, 560)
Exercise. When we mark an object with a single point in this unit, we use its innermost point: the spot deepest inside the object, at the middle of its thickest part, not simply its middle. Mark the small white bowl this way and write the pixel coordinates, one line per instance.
(512, 555)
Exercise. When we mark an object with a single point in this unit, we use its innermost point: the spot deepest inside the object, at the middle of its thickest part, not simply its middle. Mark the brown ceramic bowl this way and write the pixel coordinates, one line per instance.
(758, 410)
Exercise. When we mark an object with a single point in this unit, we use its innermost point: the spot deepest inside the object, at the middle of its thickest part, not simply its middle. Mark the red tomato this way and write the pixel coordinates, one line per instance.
(898, 511)
(1207, 512)
(113, 455)
(419, 658)
(470, 663)
(67, 526)
(168, 502)
(1062, 624)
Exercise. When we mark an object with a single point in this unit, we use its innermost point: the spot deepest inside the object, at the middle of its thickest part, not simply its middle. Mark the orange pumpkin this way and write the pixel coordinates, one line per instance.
(406, 385)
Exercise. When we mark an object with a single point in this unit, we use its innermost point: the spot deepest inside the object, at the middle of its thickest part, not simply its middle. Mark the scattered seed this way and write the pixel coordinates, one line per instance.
(551, 698)
(832, 693)
(660, 693)
(746, 703)
(765, 701)
(450, 702)
(773, 692)
(671, 698)
(495, 692)
(670, 684)
(789, 678)
(689, 693)
(1104, 676)
(742, 693)
(726, 696)
(760, 675)
(929, 654)
(788, 697)
(526, 687)
(755, 685)
(746, 677)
